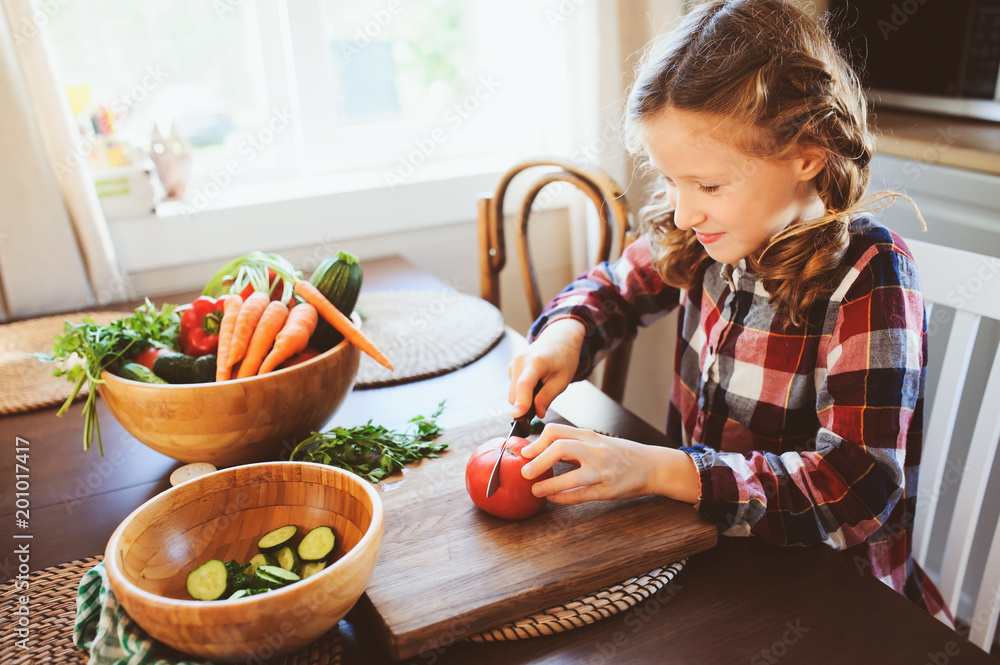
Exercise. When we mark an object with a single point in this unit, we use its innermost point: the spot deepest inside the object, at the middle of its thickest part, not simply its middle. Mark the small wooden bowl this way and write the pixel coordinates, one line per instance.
(221, 516)
(238, 421)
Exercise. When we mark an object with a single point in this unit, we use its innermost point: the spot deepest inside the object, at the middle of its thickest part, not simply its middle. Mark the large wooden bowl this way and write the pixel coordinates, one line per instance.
(238, 421)
(221, 516)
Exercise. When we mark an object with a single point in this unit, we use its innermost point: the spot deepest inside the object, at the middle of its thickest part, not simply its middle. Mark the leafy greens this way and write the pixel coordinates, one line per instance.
(373, 451)
(88, 348)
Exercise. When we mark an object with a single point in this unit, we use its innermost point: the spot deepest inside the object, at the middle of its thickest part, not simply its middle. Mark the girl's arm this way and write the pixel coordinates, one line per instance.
(609, 301)
(869, 408)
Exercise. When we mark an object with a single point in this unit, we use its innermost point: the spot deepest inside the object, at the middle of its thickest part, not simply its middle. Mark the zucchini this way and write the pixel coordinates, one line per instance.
(137, 372)
(310, 568)
(288, 559)
(208, 581)
(338, 278)
(318, 544)
(275, 539)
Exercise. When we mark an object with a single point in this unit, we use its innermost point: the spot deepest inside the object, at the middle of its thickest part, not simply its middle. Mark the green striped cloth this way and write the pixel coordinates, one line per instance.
(112, 637)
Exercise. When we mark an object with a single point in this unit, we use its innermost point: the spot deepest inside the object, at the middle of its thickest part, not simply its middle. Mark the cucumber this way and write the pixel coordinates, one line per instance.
(179, 368)
(208, 581)
(262, 579)
(204, 369)
(275, 539)
(239, 593)
(281, 575)
(137, 372)
(338, 278)
(288, 559)
(258, 560)
(310, 568)
(175, 368)
(317, 544)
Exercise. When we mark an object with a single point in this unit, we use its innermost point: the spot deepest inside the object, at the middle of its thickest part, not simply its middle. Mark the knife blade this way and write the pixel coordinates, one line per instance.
(521, 427)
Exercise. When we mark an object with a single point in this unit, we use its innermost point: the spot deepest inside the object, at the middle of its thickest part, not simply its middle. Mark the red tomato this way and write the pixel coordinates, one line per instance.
(149, 355)
(513, 500)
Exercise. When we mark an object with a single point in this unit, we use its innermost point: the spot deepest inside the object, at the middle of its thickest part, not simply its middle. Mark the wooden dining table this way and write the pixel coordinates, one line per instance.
(743, 601)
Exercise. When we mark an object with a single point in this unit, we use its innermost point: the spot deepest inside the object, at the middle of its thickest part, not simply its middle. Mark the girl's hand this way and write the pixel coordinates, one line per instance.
(608, 467)
(552, 359)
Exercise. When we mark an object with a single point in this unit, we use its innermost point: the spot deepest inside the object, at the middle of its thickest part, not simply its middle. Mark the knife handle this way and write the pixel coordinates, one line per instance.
(522, 425)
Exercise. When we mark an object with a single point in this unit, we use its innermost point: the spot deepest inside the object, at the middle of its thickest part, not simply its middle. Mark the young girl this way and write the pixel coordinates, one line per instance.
(801, 350)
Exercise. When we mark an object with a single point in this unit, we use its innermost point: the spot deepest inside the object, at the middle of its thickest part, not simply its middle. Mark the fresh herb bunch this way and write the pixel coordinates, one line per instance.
(372, 451)
(89, 348)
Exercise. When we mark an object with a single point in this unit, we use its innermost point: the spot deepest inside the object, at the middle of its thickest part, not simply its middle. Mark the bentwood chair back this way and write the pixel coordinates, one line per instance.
(969, 284)
(615, 220)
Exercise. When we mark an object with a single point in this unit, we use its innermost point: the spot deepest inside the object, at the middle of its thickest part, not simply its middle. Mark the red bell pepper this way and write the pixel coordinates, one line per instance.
(200, 327)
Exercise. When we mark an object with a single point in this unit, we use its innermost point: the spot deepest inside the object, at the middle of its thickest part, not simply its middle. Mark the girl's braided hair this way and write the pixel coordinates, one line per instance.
(769, 67)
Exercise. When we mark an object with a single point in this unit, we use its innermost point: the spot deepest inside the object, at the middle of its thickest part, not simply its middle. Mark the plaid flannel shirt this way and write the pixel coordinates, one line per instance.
(800, 434)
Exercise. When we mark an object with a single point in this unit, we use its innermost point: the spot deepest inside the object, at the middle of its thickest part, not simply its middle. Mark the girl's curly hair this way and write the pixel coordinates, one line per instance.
(769, 67)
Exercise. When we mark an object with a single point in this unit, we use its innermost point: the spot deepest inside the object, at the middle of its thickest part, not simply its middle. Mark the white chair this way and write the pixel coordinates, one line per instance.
(969, 283)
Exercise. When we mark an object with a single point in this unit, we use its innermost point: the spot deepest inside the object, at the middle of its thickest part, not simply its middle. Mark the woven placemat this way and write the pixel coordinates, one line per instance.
(424, 334)
(26, 383)
(587, 609)
(52, 595)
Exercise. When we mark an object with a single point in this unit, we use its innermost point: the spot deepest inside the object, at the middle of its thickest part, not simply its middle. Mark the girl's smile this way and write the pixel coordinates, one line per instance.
(707, 238)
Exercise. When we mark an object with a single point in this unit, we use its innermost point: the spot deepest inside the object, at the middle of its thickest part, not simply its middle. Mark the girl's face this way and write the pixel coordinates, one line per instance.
(734, 202)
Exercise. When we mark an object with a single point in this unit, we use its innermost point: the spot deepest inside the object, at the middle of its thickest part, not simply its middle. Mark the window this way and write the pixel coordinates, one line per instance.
(317, 91)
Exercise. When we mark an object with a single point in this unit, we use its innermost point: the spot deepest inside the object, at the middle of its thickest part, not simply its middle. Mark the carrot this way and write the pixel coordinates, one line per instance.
(335, 318)
(263, 337)
(253, 308)
(229, 315)
(293, 336)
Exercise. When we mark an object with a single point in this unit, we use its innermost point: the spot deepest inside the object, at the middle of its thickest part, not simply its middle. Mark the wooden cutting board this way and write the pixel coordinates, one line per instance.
(447, 570)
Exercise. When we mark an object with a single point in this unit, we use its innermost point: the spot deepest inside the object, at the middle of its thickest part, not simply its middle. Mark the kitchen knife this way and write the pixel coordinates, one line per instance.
(520, 427)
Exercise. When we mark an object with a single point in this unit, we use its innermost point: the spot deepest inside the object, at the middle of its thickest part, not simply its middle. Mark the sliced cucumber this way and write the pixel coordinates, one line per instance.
(318, 544)
(310, 568)
(240, 593)
(258, 560)
(288, 559)
(276, 538)
(280, 574)
(265, 580)
(208, 581)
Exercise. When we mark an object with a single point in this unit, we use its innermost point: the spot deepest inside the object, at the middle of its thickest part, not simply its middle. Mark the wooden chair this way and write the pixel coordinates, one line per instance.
(969, 283)
(612, 209)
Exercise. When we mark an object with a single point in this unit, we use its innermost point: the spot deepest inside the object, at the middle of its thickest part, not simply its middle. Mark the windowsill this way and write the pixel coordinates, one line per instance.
(963, 143)
(302, 213)
(204, 201)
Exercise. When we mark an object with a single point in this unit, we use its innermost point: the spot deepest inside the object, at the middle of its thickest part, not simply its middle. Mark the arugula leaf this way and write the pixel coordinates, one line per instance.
(89, 348)
(372, 451)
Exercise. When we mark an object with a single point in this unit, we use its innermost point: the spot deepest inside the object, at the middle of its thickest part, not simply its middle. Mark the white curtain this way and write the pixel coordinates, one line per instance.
(55, 251)
(606, 39)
